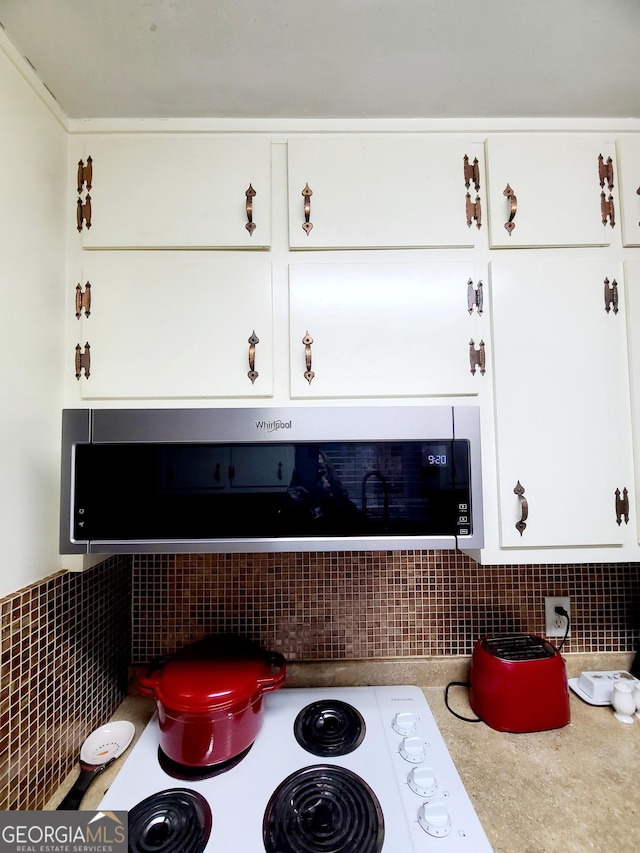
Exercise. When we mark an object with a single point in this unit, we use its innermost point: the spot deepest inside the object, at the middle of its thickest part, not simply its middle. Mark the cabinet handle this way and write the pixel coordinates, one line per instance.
(85, 174)
(216, 473)
(605, 171)
(83, 361)
(474, 211)
(307, 341)
(253, 373)
(83, 300)
(513, 208)
(477, 357)
(83, 213)
(611, 296)
(524, 508)
(250, 194)
(471, 173)
(638, 193)
(279, 474)
(607, 209)
(622, 507)
(307, 192)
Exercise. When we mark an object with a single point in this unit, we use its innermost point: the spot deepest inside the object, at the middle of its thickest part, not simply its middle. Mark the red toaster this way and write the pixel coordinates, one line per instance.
(519, 684)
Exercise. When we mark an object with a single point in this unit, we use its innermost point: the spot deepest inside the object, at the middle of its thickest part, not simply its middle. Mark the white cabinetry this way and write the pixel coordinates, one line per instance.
(176, 190)
(632, 271)
(176, 324)
(382, 191)
(556, 195)
(561, 402)
(628, 148)
(385, 330)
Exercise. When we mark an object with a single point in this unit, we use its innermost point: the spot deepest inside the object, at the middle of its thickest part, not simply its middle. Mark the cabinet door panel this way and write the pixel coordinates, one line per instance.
(632, 290)
(381, 191)
(562, 405)
(628, 149)
(383, 329)
(176, 325)
(178, 191)
(556, 183)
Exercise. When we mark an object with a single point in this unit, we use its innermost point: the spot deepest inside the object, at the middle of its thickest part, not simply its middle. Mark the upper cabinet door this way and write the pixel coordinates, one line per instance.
(545, 190)
(389, 191)
(632, 269)
(176, 324)
(176, 191)
(562, 401)
(385, 330)
(628, 148)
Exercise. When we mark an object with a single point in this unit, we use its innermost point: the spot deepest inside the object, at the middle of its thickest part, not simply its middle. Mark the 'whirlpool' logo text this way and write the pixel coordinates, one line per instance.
(273, 426)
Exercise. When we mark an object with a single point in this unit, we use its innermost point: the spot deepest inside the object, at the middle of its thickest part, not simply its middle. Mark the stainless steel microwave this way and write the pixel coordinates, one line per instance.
(270, 479)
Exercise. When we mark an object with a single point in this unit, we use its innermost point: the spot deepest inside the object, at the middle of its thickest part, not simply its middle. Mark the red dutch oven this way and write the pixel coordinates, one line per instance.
(209, 697)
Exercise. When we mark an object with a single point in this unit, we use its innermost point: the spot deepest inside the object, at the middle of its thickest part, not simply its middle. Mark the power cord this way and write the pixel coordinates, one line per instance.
(561, 611)
(450, 709)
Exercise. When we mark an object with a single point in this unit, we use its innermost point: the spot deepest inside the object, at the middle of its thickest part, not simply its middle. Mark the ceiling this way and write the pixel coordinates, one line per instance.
(333, 58)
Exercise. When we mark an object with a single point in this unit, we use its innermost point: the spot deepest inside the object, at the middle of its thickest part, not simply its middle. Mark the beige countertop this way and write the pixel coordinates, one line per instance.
(569, 790)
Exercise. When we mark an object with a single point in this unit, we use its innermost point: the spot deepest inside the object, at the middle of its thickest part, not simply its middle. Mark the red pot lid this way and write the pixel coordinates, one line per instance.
(197, 683)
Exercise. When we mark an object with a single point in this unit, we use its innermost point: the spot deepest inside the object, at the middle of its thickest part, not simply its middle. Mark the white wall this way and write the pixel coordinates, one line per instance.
(33, 188)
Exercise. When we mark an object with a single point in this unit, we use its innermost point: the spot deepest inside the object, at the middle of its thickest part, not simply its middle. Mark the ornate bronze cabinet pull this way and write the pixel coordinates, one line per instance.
(524, 508)
(471, 173)
(253, 373)
(611, 296)
(83, 300)
(605, 171)
(83, 361)
(474, 211)
(513, 208)
(622, 507)
(85, 174)
(307, 341)
(607, 209)
(83, 213)
(307, 225)
(250, 194)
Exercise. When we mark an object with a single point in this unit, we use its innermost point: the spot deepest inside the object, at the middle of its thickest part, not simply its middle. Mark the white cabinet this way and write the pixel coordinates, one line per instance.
(561, 402)
(176, 324)
(386, 330)
(176, 190)
(632, 290)
(628, 149)
(545, 190)
(383, 191)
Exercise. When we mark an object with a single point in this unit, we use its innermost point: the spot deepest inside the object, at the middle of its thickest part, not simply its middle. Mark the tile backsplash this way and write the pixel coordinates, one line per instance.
(67, 641)
(357, 606)
(66, 644)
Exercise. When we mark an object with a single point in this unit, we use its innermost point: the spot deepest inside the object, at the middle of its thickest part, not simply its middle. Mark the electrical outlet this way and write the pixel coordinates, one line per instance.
(555, 624)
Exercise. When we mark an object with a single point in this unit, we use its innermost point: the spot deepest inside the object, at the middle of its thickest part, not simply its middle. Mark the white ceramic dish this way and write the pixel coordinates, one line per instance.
(596, 687)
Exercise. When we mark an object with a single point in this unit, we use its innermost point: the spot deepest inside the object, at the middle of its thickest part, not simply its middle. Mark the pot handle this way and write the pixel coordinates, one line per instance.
(272, 682)
(150, 680)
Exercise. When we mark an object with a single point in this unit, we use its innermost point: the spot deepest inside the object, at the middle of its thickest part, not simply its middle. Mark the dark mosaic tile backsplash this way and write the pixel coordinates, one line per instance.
(66, 646)
(67, 641)
(335, 606)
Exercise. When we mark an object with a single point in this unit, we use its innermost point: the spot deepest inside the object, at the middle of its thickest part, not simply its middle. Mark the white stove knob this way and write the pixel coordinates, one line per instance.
(404, 723)
(434, 819)
(422, 781)
(413, 749)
